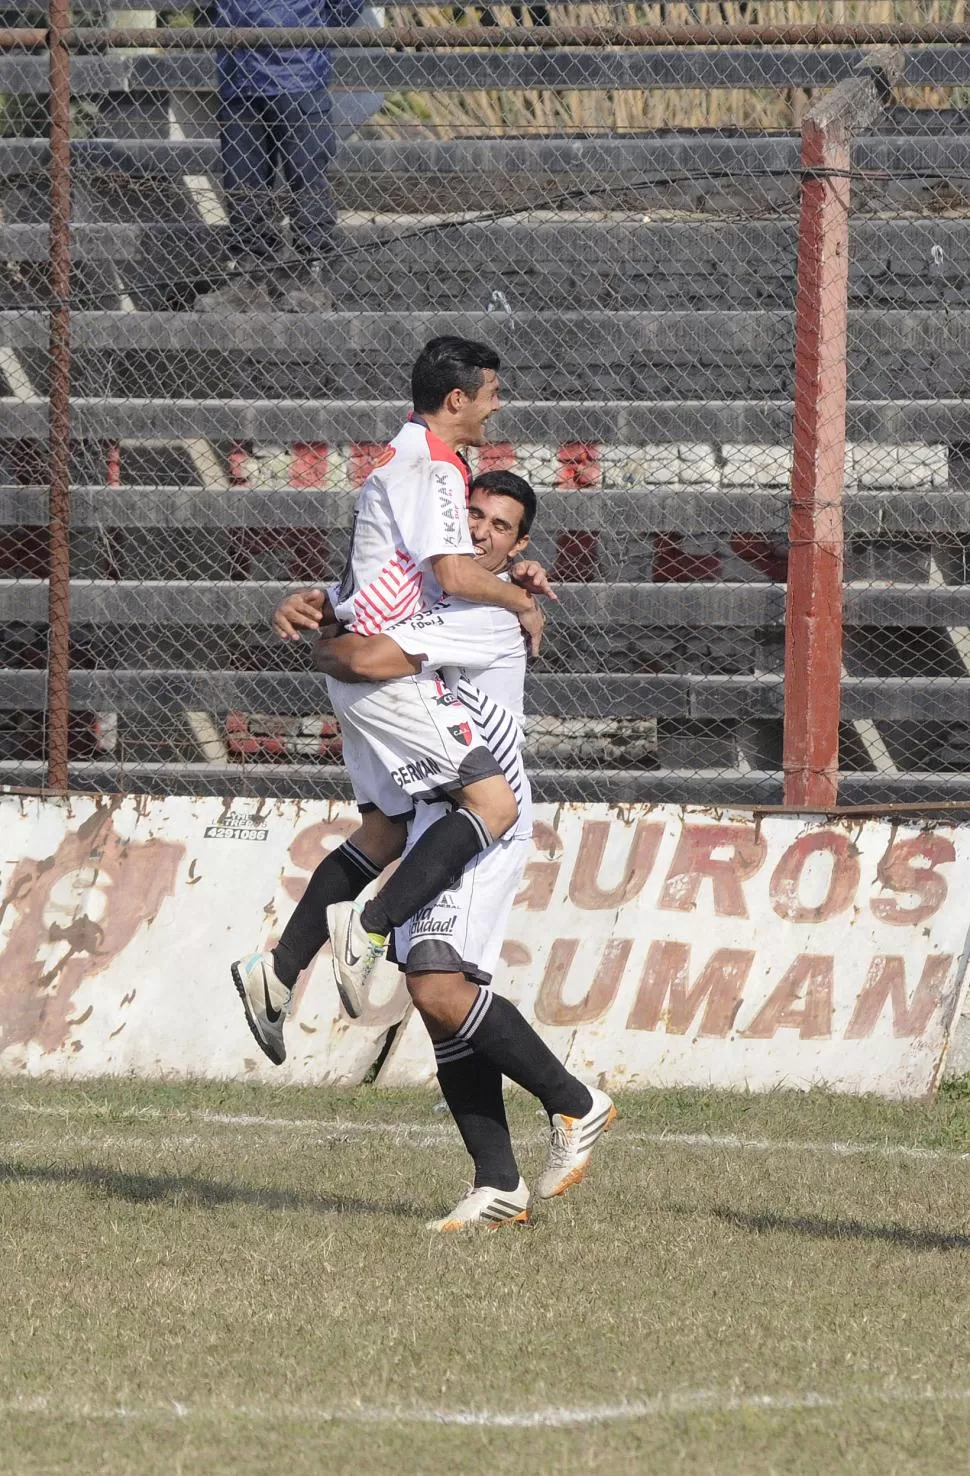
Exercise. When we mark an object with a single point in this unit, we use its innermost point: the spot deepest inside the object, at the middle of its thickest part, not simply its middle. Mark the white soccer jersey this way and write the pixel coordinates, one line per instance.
(481, 644)
(411, 508)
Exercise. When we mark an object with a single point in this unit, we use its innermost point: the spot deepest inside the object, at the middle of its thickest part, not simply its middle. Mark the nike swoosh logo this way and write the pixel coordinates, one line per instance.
(271, 1014)
(350, 956)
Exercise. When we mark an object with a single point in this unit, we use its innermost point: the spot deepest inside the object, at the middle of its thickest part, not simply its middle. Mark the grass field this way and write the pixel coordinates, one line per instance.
(225, 1279)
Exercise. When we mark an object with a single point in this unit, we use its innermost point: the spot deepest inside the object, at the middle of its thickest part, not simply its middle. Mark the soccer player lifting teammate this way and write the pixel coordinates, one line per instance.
(383, 733)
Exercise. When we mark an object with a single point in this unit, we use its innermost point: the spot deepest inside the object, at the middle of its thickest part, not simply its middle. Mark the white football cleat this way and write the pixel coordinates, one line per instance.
(355, 953)
(487, 1209)
(573, 1140)
(266, 1000)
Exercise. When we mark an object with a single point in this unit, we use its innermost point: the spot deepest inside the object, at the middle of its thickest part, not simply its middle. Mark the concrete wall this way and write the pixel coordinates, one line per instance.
(650, 945)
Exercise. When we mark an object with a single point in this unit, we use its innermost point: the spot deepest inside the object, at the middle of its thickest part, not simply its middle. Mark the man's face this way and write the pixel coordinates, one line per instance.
(475, 410)
(494, 521)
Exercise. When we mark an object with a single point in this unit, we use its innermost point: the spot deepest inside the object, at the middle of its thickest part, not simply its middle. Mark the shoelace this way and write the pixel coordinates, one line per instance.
(375, 952)
(559, 1146)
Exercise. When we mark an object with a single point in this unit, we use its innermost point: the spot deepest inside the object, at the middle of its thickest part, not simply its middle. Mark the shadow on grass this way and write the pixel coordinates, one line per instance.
(189, 1191)
(843, 1230)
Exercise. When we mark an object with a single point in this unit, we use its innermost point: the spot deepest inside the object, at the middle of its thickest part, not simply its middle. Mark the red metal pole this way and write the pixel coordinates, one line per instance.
(58, 655)
(813, 634)
(813, 624)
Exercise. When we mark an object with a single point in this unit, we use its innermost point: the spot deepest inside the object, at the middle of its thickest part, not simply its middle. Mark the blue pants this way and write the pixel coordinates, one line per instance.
(290, 134)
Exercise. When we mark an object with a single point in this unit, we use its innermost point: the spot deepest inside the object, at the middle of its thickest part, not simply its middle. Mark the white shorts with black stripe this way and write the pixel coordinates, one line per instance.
(408, 739)
(503, 733)
(463, 930)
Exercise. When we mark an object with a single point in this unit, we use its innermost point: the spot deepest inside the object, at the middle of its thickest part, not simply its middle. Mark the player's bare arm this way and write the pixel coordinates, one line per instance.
(304, 609)
(354, 658)
(533, 623)
(463, 576)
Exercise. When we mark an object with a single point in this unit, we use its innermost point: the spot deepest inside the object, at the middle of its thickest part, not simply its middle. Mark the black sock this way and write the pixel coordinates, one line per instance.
(472, 1087)
(495, 1029)
(433, 865)
(340, 877)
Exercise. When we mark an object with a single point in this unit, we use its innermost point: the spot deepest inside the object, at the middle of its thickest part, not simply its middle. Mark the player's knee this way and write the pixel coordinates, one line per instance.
(504, 812)
(380, 838)
(427, 992)
(494, 803)
(418, 990)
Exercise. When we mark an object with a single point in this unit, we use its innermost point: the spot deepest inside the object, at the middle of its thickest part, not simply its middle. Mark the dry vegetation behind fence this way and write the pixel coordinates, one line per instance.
(498, 113)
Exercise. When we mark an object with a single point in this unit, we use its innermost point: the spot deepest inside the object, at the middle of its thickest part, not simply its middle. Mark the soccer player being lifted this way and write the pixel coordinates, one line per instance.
(403, 741)
(449, 949)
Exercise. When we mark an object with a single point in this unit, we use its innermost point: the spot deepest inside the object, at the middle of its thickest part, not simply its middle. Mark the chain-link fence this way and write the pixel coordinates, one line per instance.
(260, 241)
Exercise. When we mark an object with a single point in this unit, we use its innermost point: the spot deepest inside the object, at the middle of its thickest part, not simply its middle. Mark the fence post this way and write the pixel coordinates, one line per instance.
(59, 571)
(813, 623)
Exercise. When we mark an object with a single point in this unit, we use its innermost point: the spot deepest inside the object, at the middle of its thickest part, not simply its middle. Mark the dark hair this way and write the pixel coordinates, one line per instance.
(446, 364)
(507, 484)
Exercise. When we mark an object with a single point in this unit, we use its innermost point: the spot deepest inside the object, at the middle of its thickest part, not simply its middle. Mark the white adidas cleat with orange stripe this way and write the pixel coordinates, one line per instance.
(573, 1140)
(487, 1209)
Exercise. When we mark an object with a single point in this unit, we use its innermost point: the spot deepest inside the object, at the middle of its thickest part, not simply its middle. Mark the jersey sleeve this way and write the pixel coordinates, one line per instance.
(427, 500)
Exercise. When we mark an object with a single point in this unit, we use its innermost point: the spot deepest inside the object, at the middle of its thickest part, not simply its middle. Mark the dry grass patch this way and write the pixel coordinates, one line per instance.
(189, 1289)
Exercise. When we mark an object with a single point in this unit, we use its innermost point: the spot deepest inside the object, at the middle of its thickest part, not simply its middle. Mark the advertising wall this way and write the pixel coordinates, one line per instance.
(651, 946)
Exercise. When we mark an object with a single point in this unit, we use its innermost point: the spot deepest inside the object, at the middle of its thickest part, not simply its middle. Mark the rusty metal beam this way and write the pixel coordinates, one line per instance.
(813, 623)
(59, 590)
(527, 37)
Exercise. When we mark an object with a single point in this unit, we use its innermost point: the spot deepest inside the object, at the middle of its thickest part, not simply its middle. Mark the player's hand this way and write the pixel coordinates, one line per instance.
(533, 623)
(533, 577)
(303, 610)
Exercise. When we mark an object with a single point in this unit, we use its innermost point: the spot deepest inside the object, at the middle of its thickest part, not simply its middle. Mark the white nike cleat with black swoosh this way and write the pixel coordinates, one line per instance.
(355, 953)
(487, 1209)
(266, 1001)
(572, 1143)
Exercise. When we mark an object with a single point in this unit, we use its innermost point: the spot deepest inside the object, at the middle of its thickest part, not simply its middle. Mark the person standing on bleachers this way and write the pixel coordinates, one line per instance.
(275, 116)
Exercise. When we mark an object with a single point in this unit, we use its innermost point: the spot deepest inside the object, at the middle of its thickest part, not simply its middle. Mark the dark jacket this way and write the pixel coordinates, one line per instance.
(269, 73)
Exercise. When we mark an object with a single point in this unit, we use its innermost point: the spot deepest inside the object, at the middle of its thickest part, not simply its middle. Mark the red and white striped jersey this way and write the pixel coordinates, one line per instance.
(411, 508)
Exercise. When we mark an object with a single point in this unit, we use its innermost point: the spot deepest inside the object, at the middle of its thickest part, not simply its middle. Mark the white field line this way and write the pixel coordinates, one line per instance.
(421, 1135)
(699, 1401)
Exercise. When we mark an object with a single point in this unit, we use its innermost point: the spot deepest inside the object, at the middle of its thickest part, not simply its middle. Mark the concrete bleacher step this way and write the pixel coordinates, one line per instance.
(540, 262)
(414, 264)
(624, 422)
(508, 70)
(422, 245)
(219, 603)
(592, 162)
(586, 354)
(681, 509)
(698, 697)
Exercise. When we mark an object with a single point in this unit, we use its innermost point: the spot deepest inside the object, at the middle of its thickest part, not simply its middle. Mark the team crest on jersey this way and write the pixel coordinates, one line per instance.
(463, 733)
(443, 696)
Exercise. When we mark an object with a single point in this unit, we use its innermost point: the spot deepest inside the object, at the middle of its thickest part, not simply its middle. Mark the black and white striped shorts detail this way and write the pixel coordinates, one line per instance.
(501, 731)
